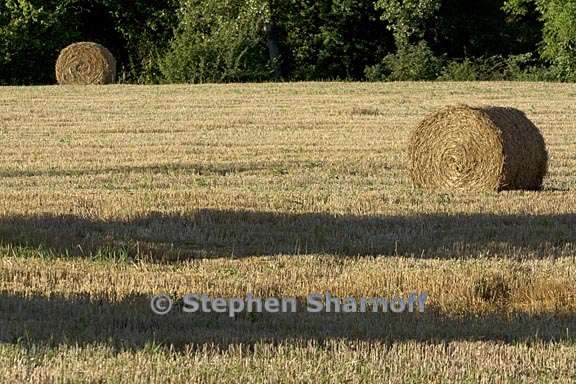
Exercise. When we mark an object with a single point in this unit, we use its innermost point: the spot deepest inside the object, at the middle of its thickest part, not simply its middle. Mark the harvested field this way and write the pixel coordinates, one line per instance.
(110, 195)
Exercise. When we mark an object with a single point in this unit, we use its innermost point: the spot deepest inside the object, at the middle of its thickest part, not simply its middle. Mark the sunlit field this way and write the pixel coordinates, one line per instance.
(110, 195)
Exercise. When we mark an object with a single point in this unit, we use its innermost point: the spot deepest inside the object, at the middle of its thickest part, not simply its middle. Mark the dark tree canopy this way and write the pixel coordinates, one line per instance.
(197, 41)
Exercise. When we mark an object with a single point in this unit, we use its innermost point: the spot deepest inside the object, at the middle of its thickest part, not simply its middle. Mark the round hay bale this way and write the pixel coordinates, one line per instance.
(462, 148)
(85, 63)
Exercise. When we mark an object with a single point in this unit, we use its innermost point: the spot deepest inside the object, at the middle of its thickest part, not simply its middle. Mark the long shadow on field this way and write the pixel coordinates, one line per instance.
(217, 233)
(219, 169)
(129, 323)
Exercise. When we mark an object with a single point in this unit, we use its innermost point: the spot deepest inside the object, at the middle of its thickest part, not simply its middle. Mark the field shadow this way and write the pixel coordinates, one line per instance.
(129, 323)
(219, 169)
(206, 233)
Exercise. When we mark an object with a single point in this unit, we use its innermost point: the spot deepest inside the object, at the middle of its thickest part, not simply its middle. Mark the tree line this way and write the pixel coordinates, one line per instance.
(199, 41)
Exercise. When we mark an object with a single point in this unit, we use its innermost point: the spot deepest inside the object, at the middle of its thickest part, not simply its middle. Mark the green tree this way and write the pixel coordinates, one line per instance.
(330, 39)
(484, 30)
(137, 32)
(559, 32)
(31, 35)
(219, 41)
(560, 36)
(407, 18)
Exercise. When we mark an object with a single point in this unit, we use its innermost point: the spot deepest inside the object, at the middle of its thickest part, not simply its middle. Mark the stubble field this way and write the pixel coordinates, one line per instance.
(110, 195)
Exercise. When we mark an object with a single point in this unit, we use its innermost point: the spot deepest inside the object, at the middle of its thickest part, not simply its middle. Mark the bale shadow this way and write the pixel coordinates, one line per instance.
(130, 324)
(206, 233)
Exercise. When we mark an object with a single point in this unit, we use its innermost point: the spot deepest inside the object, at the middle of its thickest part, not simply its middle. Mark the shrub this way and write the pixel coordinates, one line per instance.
(526, 67)
(219, 41)
(466, 70)
(515, 67)
(410, 63)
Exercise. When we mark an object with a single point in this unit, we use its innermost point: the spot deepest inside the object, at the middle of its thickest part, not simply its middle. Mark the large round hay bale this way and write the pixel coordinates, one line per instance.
(85, 63)
(461, 148)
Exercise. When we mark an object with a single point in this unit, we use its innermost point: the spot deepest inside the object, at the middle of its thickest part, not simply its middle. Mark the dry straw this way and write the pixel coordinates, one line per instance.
(461, 148)
(85, 63)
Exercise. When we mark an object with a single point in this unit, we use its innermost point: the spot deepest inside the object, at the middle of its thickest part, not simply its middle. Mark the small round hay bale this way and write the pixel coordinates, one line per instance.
(85, 63)
(462, 148)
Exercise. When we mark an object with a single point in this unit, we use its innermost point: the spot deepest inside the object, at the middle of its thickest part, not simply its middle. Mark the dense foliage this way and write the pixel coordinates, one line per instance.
(219, 41)
(199, 41)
